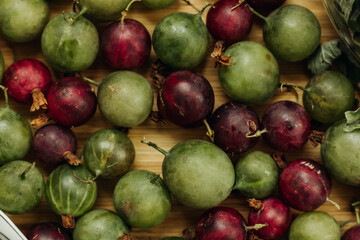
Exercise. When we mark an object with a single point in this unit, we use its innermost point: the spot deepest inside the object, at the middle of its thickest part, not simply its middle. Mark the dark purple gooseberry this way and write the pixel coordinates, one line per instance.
(125, 44)
(71, 102)
(185, 98)
(222, 223)
(305, 185)
(286, 125)
(352, 233)
(48, 231)
(265, 6)
(27, 81)
(230, 123)
(229, 21)
(53, 144)
(273, 212)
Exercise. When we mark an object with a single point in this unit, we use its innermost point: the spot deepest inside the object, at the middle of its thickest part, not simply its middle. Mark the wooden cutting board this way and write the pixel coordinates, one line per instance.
(167, 135)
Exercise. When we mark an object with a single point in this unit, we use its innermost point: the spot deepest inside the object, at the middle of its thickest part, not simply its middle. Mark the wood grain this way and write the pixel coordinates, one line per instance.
(167, 135)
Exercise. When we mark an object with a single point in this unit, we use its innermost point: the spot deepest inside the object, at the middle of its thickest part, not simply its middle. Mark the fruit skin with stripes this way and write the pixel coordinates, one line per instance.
(70, 192)
(22, 187)
(109, 153)
(100, 224)
(305, 185)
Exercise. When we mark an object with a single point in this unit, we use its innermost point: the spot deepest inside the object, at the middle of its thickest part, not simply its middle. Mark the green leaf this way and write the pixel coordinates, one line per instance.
(344, 8)
(349, 11)
(354, 22)
(352, 120)
(324, 56)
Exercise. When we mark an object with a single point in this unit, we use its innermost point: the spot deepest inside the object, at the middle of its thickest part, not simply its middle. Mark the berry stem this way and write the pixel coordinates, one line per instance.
(91, 181)
(82, 12)
(153, 145)
(344, 223)
(206, 6)
(293, 86)
(124, 13)
(91, 81)
(257, 13)
(258, 133)
(256, 226)
(335, 204)
(238, 5)
(27, 170)
(210, 133)
(189, 3)
(5, 95)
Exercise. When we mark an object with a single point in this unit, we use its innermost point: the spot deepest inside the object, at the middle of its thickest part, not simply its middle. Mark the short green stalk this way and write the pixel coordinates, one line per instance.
(344, 223)
(334, 203)
(5, 95)
(258, 133)
(293, 86)
(91, 181)
(22, 176)
(238, 5)
(189, 3)
(256, 13)
(357, 211)
(256, 226)
(210, 133)
(91, 81)
(153, 145)
(124, 13)
(82, 12)
(206, 6)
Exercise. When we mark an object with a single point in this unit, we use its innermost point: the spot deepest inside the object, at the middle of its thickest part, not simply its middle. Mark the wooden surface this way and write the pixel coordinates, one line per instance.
(167, 135)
